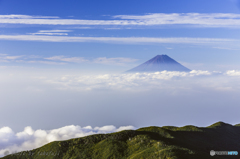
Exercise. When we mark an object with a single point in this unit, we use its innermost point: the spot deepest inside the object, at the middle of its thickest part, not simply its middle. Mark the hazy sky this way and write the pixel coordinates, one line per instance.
(62, 64)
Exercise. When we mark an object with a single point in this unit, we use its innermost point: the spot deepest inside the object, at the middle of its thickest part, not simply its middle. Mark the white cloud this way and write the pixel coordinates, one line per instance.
(233, 73)
(126, 40)
(45, 62)
(83, 27)
(54, 31)
(8, 58)
(225, 48)
(138, 81)
(12, 57)
(48, 33)
(51, 32)
(128, 81)
(19, 16)
(199, 72)
(108, 128)
(60, 59)
(112, 28)
(195, 19)
(67, 59)
(114, 61)
(203, 20)
(100, 60)
(121, 128)
(29, 139)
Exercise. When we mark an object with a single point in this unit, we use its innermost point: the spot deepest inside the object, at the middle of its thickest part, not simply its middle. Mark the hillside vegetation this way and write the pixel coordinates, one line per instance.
(168, 142)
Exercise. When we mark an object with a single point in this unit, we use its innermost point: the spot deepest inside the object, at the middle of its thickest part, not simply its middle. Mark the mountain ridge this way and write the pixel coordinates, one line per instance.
(167, 142)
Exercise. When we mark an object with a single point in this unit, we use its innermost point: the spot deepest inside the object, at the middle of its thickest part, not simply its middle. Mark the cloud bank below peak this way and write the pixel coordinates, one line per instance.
(160, 98)
(165, 80)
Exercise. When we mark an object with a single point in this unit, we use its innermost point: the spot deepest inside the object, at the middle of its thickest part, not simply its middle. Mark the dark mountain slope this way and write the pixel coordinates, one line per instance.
(168, 142)
(160, 63)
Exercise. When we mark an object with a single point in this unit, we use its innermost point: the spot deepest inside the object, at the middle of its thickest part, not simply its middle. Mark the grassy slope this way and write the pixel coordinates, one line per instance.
(188, 142)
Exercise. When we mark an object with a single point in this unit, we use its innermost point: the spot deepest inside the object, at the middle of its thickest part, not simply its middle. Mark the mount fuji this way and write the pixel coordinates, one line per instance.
(160, 63)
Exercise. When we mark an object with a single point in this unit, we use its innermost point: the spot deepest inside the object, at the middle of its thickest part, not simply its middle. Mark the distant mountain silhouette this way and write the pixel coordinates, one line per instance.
(160, 63)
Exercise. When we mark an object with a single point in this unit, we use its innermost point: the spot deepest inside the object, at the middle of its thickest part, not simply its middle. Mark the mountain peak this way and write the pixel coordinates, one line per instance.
(161, 56)
(220, 124)
(160, 63)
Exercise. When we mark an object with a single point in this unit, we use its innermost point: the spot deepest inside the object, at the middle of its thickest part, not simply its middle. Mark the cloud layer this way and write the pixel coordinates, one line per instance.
(135, 81)
(51, 32)
(29, 139)
(213, 42)
(160, 98)
(152, 19)
(60, 59)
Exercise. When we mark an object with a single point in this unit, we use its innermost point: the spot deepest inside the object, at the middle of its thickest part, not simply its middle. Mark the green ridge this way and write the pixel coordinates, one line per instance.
(168, 142)
(219, 124)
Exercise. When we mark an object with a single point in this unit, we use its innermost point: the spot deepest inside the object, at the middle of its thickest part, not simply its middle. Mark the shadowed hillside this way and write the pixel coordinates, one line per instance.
(168, 142)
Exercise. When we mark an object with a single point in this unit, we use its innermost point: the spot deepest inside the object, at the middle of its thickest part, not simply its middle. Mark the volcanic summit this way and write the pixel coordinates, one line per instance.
(160, 63)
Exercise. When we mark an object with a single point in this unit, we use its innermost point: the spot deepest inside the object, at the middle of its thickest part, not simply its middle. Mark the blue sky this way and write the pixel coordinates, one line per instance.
(62, 64)
(205, 25)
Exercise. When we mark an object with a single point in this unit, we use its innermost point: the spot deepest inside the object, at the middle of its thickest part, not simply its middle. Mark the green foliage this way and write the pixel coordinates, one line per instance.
(168, 142)
(185, 128)
(158, 130)
(218, 124)
(237, 125)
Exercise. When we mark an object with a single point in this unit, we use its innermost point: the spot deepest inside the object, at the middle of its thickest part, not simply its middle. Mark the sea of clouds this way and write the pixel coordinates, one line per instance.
(44, 103)
(143, 81)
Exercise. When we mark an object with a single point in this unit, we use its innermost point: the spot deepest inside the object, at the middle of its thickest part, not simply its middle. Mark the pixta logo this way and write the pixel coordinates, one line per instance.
(212, 153)
(232, 153)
